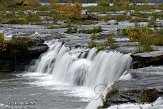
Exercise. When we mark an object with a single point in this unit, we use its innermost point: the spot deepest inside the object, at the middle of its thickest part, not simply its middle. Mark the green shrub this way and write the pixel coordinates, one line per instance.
(95, 37)
(136, 20)
(144, 48)
(124, 32)
(32, 18)
(71, 29)
(16, 45)
(17, 21)
(19, 42)
(158, 40)
(137, 33)
(143, 35)
(152, 22)
(103, 2)
(21, 18)
(92, 31)
(83, 22)
(114, 17)
(100, 46)
(104, 18)
(92, 44)
(7, 3)
(159, 32)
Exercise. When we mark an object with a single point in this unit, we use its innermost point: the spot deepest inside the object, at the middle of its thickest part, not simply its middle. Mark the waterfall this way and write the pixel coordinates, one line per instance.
(71, 66)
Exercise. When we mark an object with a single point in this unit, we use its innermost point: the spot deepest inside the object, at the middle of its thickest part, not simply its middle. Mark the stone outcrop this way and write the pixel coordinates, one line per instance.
(37, 50)
(147, 58)
(15, 58)
(145, 85)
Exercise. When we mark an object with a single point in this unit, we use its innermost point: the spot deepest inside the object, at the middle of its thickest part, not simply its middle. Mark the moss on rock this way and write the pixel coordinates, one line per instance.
(148, 95)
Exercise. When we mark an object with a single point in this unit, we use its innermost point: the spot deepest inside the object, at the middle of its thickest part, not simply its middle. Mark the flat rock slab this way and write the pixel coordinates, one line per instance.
(149, 77)
(147, 59)
(37, 49)
(148, 54)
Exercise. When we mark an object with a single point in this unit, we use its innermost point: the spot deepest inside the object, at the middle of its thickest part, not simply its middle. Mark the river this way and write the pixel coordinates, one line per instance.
(34, 91)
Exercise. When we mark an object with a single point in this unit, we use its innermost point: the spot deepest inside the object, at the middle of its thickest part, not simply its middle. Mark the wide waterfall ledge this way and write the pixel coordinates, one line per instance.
(81, 67)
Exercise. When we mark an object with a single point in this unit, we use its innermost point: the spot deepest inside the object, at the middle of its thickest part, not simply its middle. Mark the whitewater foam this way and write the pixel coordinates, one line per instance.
(62, 68)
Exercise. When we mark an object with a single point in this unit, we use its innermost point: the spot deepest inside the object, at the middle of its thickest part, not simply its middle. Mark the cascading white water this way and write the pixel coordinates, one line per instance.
(92, 54)
(48, 58)
(69, 66)
(107, 67)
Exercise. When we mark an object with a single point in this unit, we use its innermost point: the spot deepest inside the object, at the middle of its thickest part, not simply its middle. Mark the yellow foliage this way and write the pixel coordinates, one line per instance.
(143, 36)
(136, 34)
(69, 10)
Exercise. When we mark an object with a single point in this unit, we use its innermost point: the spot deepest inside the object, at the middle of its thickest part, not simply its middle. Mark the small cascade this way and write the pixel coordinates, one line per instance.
(78, 71)
(71, 66)
(47, 59)
(92, 54)
(107, 67)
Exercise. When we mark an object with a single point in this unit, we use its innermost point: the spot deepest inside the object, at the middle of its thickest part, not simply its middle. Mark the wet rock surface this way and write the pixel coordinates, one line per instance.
(144, 86)
(30, 30)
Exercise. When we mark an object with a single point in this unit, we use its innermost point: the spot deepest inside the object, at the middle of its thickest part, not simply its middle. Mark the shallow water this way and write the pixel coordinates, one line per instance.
(37, 91)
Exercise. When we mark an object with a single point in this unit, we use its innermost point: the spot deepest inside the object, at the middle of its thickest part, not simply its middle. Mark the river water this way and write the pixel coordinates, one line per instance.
(29, 91)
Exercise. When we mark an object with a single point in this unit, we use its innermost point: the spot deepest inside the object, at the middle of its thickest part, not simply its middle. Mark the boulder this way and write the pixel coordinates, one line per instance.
(147, 58)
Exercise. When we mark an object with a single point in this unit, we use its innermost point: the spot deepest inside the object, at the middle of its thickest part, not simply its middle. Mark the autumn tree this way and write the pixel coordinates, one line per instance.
(69, 11)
